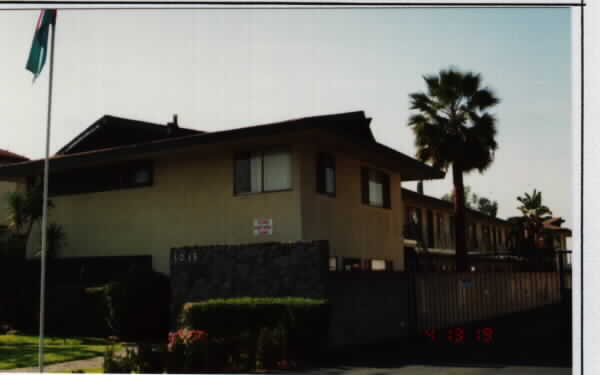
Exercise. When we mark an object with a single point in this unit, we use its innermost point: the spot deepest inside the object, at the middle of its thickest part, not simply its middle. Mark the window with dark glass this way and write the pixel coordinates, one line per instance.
(351, 264)
(473, 231)
(439, 235)
(97, 179)
(452, 230)
(411, 223)
(430, 237)
(375, 188)
(389, 265)
(140, 176)
(487, 238)
(257, 172)
(326, 180)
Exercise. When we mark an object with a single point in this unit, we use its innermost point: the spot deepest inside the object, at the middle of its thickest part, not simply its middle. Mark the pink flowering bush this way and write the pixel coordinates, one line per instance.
(185, 337)
(189, 348)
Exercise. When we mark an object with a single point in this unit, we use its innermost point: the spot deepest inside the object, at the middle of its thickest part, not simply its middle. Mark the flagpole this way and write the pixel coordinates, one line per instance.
(45, 207)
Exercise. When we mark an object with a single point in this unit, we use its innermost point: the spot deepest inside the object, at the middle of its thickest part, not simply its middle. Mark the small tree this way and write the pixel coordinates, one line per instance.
(487, 206)
(25, 209)
(534, 214)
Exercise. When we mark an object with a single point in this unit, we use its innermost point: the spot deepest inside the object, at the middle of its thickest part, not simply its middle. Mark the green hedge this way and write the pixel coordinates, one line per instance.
(227, 317)
(300, 323)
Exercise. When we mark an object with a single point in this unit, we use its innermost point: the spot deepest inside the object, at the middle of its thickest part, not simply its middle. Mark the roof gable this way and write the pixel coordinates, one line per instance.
(111, 131)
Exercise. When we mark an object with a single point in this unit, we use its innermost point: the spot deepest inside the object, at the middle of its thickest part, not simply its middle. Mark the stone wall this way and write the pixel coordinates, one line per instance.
(296, 269)
(366, 307)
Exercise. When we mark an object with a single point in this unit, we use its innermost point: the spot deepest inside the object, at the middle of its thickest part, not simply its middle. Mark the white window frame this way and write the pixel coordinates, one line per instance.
(257, 172)
(376, 188)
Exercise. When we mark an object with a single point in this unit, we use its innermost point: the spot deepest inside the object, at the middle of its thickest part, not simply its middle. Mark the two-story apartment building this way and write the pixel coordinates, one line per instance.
(125, 187)
(429, 224)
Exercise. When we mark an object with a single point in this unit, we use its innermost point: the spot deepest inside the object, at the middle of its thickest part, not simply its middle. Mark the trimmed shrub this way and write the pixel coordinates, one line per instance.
(138, 305)
(224, 317)
(261, 326)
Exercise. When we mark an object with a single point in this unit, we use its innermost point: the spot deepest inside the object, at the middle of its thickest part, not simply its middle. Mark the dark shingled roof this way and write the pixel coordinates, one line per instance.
(111, 131)
(351, 126)
(6, 155)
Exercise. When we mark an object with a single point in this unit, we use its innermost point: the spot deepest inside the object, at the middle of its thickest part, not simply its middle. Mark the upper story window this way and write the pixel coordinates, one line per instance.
(326, 174)
(375, 188)
(257, 172)
(90, 180)
(141, 176)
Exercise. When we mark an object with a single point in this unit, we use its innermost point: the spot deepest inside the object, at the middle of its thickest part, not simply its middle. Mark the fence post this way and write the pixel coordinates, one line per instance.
(412, 303)
(561, 276)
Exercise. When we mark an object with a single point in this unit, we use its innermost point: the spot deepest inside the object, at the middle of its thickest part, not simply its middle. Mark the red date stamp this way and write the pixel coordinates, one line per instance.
(460, 335)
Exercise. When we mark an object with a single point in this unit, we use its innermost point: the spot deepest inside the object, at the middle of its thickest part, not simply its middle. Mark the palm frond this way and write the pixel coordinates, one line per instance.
(450, 125)
(470, 84)
(483, 99)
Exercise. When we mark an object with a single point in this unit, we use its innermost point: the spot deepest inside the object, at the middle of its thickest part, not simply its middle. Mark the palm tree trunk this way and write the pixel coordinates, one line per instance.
(459, 215)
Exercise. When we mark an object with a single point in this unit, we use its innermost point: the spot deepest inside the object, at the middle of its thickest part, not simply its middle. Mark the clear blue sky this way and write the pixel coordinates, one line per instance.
(221, 69)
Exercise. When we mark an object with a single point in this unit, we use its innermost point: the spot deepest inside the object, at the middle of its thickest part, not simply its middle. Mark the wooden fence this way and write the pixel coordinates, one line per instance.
(448, 299)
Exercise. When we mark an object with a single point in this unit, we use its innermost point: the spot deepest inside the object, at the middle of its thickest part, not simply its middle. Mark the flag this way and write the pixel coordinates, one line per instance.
(39, 46)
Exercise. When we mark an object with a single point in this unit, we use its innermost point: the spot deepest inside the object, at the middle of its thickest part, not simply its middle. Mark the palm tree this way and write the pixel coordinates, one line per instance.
(453, 128)
(24, 209)
(16, 211)
(534, 213)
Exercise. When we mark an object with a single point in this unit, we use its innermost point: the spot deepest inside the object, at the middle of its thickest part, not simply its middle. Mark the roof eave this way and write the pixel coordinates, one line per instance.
(410, 169)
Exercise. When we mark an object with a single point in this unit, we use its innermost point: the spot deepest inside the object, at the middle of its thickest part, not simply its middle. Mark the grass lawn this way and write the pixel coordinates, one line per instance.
(22, 351)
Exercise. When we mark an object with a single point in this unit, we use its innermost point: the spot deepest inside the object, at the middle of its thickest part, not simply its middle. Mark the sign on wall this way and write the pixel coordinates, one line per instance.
(263, 227)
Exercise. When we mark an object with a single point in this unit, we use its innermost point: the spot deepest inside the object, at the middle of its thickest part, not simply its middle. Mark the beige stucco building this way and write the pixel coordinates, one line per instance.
(125, 187)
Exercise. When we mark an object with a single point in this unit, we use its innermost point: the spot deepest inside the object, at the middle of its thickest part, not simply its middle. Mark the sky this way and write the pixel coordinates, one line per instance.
(229, 68)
